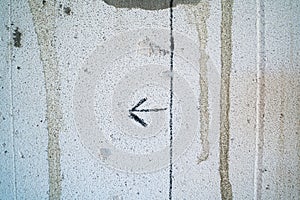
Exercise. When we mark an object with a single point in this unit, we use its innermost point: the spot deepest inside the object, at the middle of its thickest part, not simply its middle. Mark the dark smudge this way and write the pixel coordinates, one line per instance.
(148, 4)
(17, 37)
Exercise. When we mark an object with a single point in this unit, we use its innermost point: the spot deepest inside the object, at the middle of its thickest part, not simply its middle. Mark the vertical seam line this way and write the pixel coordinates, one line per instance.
(260, 103)
(12, 99)
(171, 100)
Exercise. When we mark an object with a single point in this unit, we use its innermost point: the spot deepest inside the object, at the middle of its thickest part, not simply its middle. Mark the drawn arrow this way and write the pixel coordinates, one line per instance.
(134, 109)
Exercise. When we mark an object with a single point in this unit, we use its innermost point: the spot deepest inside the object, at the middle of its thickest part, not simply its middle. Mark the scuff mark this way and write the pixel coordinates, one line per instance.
(104, 153)
(17, 38)
(200, 14)
(44, 16)
(67, 10)
(148, 48)
(226, 62)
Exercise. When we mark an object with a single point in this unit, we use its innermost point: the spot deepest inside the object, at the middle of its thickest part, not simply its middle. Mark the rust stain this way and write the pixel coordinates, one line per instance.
(226, 62)
(44, 20)
(200, 14)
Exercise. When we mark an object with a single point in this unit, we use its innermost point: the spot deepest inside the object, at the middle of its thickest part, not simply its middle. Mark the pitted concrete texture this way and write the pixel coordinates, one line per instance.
(149, 99)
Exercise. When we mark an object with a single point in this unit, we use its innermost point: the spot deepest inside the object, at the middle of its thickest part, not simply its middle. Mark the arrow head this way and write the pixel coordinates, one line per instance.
(139, 120)
(138, 104)
(134, 109)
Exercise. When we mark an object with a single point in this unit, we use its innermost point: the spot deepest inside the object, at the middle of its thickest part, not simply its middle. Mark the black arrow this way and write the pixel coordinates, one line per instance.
(134, 109)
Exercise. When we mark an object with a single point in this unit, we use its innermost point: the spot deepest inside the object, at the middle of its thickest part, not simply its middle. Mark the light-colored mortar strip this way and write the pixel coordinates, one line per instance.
(260, 105)
(44, 20)
(226, 62)
(199, 15)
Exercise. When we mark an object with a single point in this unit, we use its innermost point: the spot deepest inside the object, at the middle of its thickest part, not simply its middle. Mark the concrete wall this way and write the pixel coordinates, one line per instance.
(137, 100)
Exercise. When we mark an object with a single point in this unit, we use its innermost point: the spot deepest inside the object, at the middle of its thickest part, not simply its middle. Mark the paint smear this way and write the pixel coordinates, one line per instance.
(44, 20)
(200, 14)
(226, 62)
(148, 4)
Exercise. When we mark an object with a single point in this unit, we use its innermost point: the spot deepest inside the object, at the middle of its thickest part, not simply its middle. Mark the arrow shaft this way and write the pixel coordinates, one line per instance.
(150, 110)
(134, 109)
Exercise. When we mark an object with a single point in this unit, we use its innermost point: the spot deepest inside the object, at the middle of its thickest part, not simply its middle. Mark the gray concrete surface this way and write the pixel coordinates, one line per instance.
(97, 103)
